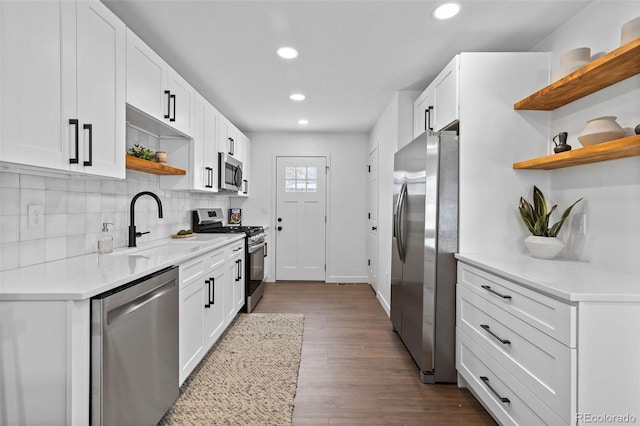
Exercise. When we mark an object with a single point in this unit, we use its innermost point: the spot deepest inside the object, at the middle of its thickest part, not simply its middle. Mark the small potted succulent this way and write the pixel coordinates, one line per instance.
(543, 242)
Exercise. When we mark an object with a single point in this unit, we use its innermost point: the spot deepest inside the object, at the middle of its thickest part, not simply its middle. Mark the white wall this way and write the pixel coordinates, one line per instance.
(393, 129)
(611, 189)
(346, 208)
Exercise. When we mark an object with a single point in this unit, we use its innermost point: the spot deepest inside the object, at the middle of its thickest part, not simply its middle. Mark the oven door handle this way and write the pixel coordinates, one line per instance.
(255, 248)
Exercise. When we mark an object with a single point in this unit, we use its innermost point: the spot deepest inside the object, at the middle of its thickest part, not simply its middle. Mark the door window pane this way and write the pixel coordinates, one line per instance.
(301, 179)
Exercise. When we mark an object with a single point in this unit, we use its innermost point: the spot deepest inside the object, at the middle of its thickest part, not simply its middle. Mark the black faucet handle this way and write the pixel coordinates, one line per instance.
(139, 234)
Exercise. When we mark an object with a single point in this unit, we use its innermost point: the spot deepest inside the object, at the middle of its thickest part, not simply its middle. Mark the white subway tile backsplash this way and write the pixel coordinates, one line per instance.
(76, 223)
(10, 201)
(55, 248)
(108, 203)
(55, 225)
(108, 187)
(9, 256)
(77, 184)
(93, 222)
(10, 229)
(94, 186)
(76, 202)
(9, 180)
(55, 202)
(75, 245)
(31, 196)
(32, 252)
(56, 184)
(93, 202)
(32, 182)
(27, 233)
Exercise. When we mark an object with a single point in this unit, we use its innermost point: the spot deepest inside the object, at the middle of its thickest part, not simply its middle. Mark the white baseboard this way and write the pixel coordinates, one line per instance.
(348, 279)
(384, 303)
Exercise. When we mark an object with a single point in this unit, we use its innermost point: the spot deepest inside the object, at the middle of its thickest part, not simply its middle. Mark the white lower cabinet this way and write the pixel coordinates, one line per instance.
(208, 291)
(532, 359)
(234, 300)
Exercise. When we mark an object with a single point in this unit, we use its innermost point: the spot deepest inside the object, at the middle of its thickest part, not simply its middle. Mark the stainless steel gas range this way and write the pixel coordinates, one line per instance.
(212, 221)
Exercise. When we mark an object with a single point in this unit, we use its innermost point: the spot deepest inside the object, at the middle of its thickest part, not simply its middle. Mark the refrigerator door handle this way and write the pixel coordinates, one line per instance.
(400, 220)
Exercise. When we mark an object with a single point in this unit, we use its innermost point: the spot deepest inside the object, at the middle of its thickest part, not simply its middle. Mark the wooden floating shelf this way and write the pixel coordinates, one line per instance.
(140, 165)
(615, 66)
(619, 148)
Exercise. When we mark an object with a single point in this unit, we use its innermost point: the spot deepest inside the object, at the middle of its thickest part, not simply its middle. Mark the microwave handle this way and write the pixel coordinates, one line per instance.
(237, 177)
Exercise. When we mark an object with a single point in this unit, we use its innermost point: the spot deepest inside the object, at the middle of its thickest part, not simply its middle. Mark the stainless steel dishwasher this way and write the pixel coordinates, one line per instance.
(134, 351)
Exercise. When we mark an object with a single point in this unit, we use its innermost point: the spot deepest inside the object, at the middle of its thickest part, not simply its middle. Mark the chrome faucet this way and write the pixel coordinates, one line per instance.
(132, 224)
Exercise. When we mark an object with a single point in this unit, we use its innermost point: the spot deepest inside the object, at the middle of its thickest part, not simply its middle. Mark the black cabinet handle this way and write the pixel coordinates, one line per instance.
(212, 295)
(209, 177)
(265, 249)
(89, 127)
(488, 330)
(74, 122)
(488, 288)
(240, 270)
(208, 304)
(238, 263)
(486, 382)
(168, 113)
(174, 108)
(429, 110)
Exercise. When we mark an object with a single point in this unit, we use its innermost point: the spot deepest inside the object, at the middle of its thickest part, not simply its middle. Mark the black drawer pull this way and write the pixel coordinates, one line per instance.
(486, 287)
(208, 304)
(74, 122)
(174, 107)
(503, 341)
(486, 382)
(89, 127)
(168, 113)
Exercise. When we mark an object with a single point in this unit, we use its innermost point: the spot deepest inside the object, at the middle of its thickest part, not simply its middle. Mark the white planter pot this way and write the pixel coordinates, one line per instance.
(544, 247)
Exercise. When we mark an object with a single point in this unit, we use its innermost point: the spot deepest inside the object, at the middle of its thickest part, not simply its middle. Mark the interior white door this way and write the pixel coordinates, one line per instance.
(372, 201)
(300, 218)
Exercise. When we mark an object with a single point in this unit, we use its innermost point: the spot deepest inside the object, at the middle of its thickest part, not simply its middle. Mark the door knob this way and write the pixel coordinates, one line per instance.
(373, 228)
(279, 219)
(279, 228)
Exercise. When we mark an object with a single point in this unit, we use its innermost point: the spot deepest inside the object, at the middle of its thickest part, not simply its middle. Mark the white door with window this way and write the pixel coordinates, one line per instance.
(300, 218)
(372, 239)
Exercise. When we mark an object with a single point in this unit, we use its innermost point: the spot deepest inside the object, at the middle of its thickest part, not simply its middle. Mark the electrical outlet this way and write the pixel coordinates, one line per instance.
(35, 216)
(580, 224)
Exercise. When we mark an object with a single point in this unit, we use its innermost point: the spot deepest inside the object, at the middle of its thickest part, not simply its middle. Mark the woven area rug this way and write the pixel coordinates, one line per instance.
(248, 378)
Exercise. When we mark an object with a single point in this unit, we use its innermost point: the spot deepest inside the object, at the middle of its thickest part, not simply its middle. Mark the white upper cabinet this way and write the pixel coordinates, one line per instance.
(227, 137)
(63, 87)
(422, 112)
(445, 96)
(154, 88)
(243, 156)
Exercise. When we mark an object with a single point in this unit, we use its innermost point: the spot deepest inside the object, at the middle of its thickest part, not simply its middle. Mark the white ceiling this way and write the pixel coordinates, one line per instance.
(353, 54)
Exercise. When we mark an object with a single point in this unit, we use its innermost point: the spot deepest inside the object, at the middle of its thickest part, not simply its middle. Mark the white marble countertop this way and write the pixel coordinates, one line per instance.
(82, 277)
(567, 280)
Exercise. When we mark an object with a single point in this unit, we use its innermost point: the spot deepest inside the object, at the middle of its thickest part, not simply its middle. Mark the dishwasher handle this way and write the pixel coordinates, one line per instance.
(131, 306)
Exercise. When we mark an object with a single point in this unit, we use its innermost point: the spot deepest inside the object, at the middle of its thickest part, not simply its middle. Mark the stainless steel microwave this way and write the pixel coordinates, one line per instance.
(230, 173)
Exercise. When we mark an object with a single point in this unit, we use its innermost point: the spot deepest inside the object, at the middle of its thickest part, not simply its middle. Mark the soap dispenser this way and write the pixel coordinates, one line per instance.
(105, 243)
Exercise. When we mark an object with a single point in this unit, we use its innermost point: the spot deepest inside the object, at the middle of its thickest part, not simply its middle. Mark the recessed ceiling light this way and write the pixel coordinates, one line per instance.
(303, 122)
(297, 97)
(287, 52)
(446, 11)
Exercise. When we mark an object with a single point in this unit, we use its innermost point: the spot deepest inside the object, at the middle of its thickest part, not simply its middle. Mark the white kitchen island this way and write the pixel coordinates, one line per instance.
(548, 341)
(45, 324)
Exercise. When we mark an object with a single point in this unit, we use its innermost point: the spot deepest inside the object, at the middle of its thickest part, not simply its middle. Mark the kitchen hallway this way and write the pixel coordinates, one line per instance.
(354, 368)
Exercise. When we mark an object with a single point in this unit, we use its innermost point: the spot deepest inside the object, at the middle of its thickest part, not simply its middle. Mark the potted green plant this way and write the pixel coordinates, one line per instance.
(142, 152)
(543, 242)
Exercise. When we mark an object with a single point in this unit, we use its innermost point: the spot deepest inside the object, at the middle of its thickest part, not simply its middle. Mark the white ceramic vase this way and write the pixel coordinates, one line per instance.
(601, 129)
(544, 247)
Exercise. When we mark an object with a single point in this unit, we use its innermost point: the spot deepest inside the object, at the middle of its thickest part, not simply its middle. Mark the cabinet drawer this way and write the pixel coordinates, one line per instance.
(490, 382)
(552, 317)
(216, 259)
(235, 249)
(544, 365)
(192, 270)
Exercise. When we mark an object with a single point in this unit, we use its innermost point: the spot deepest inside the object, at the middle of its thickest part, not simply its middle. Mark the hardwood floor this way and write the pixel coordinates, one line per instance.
(354, 368)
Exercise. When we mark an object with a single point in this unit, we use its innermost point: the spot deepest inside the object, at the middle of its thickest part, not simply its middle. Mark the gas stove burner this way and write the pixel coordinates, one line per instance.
(212, 221)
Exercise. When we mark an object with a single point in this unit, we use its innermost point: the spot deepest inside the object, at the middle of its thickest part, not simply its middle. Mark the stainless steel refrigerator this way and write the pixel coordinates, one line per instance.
(425, 238)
